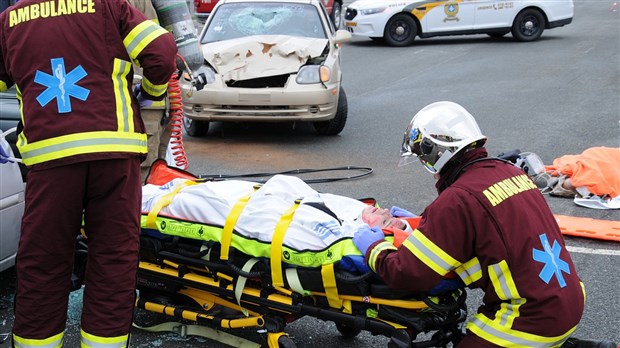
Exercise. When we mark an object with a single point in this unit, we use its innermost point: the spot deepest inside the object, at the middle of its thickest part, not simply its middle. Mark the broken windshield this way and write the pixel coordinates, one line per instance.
(237, 20)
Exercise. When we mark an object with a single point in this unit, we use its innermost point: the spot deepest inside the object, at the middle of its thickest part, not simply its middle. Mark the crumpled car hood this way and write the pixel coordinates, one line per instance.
(261, 55)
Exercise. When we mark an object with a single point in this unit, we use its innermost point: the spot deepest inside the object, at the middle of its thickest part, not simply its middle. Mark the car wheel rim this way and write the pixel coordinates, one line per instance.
(529, 26)
(400, 31)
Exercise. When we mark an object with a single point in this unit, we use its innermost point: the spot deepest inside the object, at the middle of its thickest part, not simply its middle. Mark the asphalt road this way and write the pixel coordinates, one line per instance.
(556, 96)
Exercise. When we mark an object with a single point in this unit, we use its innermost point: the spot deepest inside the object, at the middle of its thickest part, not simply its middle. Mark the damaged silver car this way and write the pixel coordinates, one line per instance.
(269, 61)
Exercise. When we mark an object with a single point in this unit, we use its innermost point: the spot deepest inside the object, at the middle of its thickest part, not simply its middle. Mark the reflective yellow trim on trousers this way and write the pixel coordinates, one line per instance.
(124, 111)
(92, 341)
(141, 36)
(82, 143)
(153, 89)
(491, 331)
(50, 342)
(374, 253)
(3, 86)
(470, 271)
(430, 254)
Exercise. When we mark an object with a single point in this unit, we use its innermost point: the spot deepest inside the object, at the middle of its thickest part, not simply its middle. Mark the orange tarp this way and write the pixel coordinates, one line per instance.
(597, 168)
(589, 228)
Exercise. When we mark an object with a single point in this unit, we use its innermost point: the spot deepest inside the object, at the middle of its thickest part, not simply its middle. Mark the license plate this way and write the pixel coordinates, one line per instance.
(350, 24)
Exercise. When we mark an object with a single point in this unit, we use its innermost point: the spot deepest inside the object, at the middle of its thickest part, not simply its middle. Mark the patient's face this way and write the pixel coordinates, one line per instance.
(377, 217)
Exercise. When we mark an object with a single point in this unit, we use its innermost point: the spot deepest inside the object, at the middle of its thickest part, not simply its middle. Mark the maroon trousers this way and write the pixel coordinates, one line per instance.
(107, 194)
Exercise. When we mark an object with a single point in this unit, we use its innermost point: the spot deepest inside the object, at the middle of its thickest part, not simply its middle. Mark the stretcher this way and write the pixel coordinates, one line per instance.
(194, 279)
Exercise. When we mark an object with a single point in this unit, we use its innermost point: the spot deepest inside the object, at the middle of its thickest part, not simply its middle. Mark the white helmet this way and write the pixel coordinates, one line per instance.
(437, 133)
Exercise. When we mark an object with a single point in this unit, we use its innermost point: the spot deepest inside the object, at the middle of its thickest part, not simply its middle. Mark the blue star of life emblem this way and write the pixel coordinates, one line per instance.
(61, 86)
(550, 256)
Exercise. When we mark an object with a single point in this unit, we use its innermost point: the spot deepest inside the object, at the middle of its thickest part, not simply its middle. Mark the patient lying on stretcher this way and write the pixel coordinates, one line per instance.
(318, 226)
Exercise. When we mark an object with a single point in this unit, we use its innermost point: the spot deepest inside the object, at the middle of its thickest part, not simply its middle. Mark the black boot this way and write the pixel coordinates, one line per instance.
(577, 343)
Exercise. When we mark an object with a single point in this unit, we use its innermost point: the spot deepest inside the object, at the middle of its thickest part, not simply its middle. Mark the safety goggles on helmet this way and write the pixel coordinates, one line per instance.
(437, 133)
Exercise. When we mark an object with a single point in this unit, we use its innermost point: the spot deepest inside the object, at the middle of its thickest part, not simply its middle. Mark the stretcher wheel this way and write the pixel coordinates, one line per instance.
(286, 342)
(347, 331)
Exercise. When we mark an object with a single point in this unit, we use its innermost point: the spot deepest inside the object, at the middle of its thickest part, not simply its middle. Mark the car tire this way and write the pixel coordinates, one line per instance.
(528, 25)
(336, 15)
(195, 128)
(400, 30)
(336, 124)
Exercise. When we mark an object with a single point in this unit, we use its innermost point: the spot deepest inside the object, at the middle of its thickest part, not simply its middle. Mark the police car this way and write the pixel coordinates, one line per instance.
(399, 22)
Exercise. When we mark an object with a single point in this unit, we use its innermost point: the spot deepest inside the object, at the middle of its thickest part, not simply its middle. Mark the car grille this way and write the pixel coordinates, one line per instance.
(261, 82)
(350, 14)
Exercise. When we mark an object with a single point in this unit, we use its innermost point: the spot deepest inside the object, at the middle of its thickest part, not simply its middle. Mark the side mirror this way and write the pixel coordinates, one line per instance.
(342, 36)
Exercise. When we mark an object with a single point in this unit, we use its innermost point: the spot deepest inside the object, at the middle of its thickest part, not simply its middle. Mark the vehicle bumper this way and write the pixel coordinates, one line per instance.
(560, 23)
(371, 25)
(261, 105)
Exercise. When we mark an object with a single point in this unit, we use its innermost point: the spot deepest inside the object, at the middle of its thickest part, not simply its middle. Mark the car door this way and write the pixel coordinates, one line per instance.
(492, 14)
(448, 16)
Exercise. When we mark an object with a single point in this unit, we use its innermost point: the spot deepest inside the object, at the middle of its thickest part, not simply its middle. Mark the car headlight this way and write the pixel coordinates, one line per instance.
(369, 11)
(312, 74)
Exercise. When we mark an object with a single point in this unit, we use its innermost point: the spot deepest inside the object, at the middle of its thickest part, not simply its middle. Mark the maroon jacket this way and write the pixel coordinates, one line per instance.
(494, 229)
(71, 62)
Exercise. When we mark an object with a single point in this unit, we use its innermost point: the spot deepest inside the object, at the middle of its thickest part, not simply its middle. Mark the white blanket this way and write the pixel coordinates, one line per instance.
(311, 228)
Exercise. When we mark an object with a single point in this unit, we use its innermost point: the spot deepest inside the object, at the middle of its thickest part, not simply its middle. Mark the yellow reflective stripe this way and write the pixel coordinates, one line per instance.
(50, 342)
(583, 289)
(3, 86)
(429, 253)
(508, 311)
(164, 201)
(374, 253)
(329, 284)
(470, 271)
(277, 278)
(493, 332)
(82, 143)
(141, 36)
(502, 280)
(153, 89)
(124, 111)
(92, 341)
(21, 138)
(231, 221)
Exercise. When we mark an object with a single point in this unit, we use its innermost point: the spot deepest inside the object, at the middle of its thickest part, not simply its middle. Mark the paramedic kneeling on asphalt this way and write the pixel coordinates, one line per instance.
(83, 140)
(492, 227)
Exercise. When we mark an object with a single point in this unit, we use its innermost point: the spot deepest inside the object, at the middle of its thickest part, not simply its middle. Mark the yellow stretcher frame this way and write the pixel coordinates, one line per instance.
(256, 308)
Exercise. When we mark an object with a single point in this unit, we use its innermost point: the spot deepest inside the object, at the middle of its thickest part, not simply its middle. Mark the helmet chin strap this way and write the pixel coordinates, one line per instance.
(443, 159)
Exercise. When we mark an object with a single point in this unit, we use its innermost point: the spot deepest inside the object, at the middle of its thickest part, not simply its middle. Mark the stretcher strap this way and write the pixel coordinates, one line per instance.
(231, 221)
(240, 285)
(329, 283)
(277, 278)
(165, 200)
(292, 277)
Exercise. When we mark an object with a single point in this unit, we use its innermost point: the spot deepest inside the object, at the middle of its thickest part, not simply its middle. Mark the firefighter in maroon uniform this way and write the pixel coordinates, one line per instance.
(83, 141)
(492, 227)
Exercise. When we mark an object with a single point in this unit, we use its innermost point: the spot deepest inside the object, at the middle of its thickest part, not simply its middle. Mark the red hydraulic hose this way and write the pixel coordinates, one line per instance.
(176, 123)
